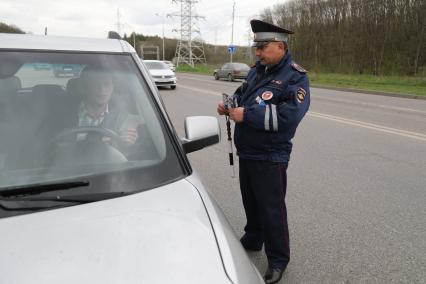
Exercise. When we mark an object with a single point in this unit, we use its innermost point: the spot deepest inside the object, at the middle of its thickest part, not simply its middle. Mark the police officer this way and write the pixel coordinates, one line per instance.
(271, 104)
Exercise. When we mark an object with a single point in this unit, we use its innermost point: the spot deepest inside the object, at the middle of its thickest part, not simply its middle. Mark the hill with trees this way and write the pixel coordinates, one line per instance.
(379, 37)
(215, 54)
(11, 29)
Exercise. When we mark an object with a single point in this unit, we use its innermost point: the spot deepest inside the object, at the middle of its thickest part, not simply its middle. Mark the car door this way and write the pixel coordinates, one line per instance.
(223, 72)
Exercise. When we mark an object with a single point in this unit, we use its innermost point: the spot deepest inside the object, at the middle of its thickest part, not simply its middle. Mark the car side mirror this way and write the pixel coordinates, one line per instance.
(200, 132)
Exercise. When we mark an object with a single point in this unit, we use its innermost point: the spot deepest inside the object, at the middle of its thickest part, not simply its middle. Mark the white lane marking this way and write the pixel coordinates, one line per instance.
(320, 97)
(200, 90)
(212, 81)
(404, 133)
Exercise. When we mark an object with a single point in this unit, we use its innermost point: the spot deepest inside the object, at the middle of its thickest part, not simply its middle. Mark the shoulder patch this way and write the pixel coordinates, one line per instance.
(297, 67)
(301, 94)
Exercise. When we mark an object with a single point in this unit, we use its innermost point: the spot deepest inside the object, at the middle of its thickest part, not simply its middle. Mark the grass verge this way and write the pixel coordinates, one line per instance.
(200, 69)
(387, 84)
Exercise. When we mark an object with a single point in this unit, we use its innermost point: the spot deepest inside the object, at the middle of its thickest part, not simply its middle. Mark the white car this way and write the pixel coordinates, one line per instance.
(161, 73)
(170, 64)
(80, 202)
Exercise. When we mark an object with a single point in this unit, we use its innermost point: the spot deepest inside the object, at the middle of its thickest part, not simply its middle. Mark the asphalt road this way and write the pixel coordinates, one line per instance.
(356, 194)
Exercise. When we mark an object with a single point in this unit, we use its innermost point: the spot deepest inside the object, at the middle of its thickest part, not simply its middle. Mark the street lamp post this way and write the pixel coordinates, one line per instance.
(162, 17)
(232, 35)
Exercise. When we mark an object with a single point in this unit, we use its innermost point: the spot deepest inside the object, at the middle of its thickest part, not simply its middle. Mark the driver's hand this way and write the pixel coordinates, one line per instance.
(129, 135)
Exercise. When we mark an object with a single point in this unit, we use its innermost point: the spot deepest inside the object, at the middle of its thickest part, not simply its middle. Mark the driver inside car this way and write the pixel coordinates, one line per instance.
(91, 125)
(95, 110)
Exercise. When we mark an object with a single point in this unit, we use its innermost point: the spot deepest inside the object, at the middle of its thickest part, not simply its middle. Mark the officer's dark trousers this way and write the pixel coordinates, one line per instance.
(263, 187)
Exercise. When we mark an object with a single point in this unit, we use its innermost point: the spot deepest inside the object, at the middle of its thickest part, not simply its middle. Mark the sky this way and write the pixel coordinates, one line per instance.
(94, 18)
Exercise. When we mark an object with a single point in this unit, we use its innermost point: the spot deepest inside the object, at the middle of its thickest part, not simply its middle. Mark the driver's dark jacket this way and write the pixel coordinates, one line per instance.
(270, 123)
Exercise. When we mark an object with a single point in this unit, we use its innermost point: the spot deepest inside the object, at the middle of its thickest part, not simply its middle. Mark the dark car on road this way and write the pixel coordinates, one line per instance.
(231, 71)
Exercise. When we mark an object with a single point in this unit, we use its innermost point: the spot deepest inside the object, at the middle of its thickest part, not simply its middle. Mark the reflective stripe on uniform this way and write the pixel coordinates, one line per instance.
(274, 118)
(267, 111)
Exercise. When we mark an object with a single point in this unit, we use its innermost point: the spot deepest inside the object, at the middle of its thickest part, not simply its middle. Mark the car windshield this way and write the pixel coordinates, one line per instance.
(156, 65)
(75, 116)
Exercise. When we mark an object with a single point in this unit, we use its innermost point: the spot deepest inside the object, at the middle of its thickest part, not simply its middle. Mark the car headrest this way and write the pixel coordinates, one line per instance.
(73, 87)
(48, 90)
(46, 99)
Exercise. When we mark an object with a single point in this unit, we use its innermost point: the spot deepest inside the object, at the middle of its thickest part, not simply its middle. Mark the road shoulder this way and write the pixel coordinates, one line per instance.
(370, 92)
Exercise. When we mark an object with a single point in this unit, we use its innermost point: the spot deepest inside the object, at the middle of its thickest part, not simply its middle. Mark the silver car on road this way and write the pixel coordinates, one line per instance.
(232, 71)
(95, 186)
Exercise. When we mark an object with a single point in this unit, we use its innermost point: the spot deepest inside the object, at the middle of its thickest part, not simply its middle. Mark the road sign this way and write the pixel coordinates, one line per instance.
(232, 49)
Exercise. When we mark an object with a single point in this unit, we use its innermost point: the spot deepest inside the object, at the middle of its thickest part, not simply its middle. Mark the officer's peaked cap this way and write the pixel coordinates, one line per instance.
(265, 32)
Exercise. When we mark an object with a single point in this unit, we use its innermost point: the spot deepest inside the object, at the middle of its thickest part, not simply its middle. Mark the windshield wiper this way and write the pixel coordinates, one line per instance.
(6, 208)
(79, 199)
(32, 189)
(83, 198)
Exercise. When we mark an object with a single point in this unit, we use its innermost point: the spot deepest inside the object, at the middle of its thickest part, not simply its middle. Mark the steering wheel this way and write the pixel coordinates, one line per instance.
(68, 149)
(100, 131)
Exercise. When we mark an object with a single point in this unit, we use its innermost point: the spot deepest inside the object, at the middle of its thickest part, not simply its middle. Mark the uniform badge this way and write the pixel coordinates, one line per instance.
(267, 95)
(301, 94)
(260, 101)
(298, 67)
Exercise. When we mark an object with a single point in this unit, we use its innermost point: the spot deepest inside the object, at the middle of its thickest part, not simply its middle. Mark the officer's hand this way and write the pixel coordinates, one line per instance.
(221, 109)
(129, 135)
(237, 114)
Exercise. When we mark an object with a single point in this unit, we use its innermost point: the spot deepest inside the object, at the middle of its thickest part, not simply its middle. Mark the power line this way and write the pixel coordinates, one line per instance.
(118, 24)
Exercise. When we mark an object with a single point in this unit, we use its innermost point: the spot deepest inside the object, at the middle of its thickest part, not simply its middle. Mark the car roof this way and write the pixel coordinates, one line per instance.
(60, 43)
(157, 62)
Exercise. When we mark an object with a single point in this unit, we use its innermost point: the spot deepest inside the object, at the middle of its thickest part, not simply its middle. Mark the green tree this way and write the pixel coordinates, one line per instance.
(11, 29)
(355, 36)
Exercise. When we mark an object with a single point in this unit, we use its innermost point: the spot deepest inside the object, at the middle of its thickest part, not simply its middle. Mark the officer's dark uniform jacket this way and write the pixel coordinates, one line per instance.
(275, 101)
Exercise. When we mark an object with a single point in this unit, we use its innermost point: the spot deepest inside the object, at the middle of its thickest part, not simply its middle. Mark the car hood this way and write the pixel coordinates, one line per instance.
(162, 235)
(161, 72)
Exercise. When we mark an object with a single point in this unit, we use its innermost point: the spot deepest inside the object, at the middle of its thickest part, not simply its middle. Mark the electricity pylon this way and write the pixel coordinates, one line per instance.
(190, 48)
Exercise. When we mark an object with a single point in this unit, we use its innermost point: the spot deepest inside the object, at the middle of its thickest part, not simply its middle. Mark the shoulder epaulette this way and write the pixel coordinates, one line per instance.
(297, 67)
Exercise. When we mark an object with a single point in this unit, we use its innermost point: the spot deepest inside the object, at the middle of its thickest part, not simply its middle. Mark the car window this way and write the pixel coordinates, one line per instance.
(156, 65)
(239, 66)
(70, 115)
